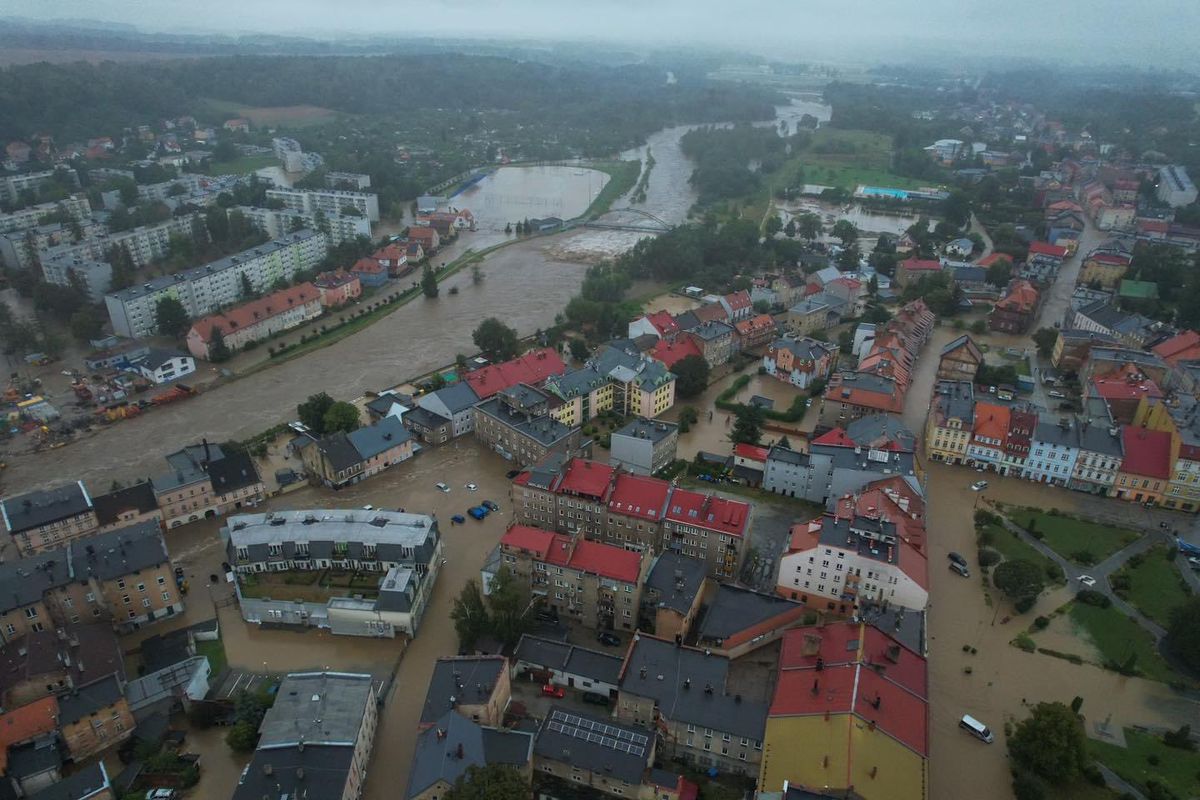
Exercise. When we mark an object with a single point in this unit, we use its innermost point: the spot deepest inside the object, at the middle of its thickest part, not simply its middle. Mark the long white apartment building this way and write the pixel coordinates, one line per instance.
(190, 181)
(94, 274)
(278, 221)
(1175, 188)
(11, 186)
(206, 289)
(144, 244)
(20, 249)
(76, 205)
(328, 201)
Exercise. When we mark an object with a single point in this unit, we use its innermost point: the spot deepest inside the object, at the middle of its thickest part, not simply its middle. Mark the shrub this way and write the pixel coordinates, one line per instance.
(988, 557)
(1041, 622)
(1083, 557)
(1094, 775)
(1153, 759)
(984, 517)
(1120, 582)
(1025, 643)
(987, 536)
(1093, 598)
(1024, 604)
(1181, 738)
(1054, 572)
(1027, 787)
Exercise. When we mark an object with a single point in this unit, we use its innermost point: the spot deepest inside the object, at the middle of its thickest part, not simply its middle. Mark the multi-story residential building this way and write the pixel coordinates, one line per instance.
(532, 368)
(854, 395)
(673, 595)
(204, 481)
(1104, 268)
(825, 731)
(912, 270)
(122, 507)
(53, 662)
(427, 426)
(353, 181)
(1098, 459)
(816, 312)
(684, 694)
(800, 362)
(1014, 312)
(584, 394)
(123, 575)
(1175, 188)
(595, 584)
(455, 403)
(49, 518)
(341, 459)
(950, 422)
(94, 718)
(644, 446)
(1022, 419)
(1043, 262)
(592, 755)
(478, 688)
(613, 379)
(632, 511)
(447, 753)
(960, 360)
(143, 244)
(516, 423)
(1052, 453)
(12, 186)
(76, 207)
(95, 276)
(327, 201)
(337, 288)
(988, 436)
(404, 549)
(1180, 419)
(1146, 468)
(276, 222)
(255, 321)
(715, 340)
(1072, 348)
(315, 740)
(205, 289)
(756, 332)
(1121, 390)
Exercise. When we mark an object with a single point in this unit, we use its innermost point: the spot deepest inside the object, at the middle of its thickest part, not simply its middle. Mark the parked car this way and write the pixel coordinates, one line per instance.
(553, 691)
(512, 473)
(961, 569)
(1056, 394)
(478, 512)
(470, 487)
(1087, 580)
(595, 698)
(979, 486)
(490, 506)
(443, 487)
(161, 794)
(458, 519)
(545, 615)
(956, 558)
(609, 639)
(368, 507)
(1194, 562)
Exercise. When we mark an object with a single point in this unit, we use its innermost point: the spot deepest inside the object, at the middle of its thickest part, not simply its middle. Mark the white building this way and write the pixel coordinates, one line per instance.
(1175, 188)
(187, 182)
(289, 152)
(164, 366)
(339, 180)
(205, 289)
(77, 206)
(11, 186)
(95, 275)
(328, 201)
(946, 150)
(279, 221)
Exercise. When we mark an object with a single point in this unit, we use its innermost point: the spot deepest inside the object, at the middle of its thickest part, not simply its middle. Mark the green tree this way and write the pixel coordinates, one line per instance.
(772, 226)
(341, 416)
(489, 782)
(1045, 339)
(497, 341)
(171, 317)
(691, 376)
(429, 284)
(1050, 743)
(845, 230)
(688, 416)
(1019, 579)
(242, 738)
(470, 615)
(579, 350)
(979, 327)
(312, 412)
(218, 351)
(1000, 272)
(1183, 633)
(508, 607)
(87, 324)
(247, 287)
(808, 225)
(747, 425)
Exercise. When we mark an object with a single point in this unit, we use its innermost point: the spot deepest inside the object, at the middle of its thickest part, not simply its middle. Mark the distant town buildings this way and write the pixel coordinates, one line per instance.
(1175, 187)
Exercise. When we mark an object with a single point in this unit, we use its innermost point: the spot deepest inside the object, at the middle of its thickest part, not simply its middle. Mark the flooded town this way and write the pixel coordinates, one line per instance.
(514, 418)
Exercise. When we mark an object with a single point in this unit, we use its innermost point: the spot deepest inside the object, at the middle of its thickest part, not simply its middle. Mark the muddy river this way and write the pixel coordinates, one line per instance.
(511, 194)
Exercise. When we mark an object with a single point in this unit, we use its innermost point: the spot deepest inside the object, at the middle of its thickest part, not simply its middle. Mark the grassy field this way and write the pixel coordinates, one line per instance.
(1155, 585)
(1068, 536)
(274, 116)
(1178, 770)
(623, 174)
(847, 158)
(1011, 547)
(1115, 636)
(215, 650)
(243, 166)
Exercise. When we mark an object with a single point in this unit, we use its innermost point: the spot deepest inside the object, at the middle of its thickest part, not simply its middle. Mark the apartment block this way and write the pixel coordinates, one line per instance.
(49, 518)
(327, 201)
(76, 206)
(203, 481)
(278, 222)
(205, 289)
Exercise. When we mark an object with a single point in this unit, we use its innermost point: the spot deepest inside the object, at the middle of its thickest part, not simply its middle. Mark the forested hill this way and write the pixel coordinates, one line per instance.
(76, 101)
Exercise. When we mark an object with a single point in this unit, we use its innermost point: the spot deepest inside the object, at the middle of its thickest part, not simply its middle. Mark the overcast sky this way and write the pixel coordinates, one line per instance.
(1148, 32)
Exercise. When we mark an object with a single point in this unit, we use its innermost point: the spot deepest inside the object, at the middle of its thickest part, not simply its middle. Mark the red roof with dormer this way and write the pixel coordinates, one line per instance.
(1184, 347)
(639, 496)
(586, 478)
(531, 368)
(663, 322)
(256, 311)
(749, 327)
(739, 300)
(669, 352)
(368, 266)
(752, 452)
(709, 511)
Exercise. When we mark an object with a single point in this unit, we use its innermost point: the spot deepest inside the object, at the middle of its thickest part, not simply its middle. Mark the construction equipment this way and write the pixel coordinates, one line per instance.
(179, 391)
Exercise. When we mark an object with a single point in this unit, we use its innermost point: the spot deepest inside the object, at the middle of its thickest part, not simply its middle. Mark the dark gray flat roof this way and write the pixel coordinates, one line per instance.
(467, 679)
(677, 579)
(42, 506)
(735, 609)
(599, 745)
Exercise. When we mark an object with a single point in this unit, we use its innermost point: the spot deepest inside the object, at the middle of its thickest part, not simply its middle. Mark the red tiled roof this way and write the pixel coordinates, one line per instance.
(26, 722)
(1109, 258)
(586, 478)
(1184, 347)
(532, 368)
(712, 312)
(1021, 297)
(1147, 452)
(709, 511)
(256, 311)
(852, 283)
(368, 266)
(738, 300)
(1126, 383)
(991, 421)
(888, 402)
(663, 322)
(1153, 226)
(392, 252)
(669, 352)
(921, 264)
(836, 437)
(804, 535)
(639, 496)
(1047, 249)
(533, 540)
(332, 280)
(750, 451)
(606, 560)
(420, 232)
(992, 258)
(759, 323)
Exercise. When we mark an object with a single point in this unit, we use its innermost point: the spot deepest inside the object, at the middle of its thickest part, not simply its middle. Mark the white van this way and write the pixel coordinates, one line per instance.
(976, 728)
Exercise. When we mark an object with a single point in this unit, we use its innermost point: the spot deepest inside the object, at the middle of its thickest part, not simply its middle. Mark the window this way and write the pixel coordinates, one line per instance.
(146, 602)
(166, 596)
(125, 599)
(161, 580)
(36, 627)
(11, 630)
(141, 587)
(91, 597)
(121, 583)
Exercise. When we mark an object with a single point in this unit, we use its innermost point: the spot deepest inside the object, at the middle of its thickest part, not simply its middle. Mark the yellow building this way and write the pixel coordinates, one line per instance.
(1103, 269)
(1181, 423)
(948, 425)
(839, 722)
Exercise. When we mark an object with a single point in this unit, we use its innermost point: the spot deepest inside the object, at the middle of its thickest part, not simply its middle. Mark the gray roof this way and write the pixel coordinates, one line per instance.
(42, 506)
(735, 609)
(89, 699)
(1095, 438)
(338, 451)
(41, 755)
(139, 497)
(677, 579)
(522, 396)
(712, 329)
(88, 653)
(575, 383)
(877, 429)
(286, 773)
(446, 749)
(330, 525)
(566, 657)
(234, 471)
(862, 535)
(543, 429)
(425, 418)
(156, 357)
(457, 396)
(378, 438)
(786, 455)
(957, 399)
(1054, 434)
(687, 320)
(187, 466)
(819, 302)
(600, 745)
(87, 782)
(970, 274)
(658, 670)
(904, 625)
(318, 708)
(804, 348)
(460, 679)
(652, 429)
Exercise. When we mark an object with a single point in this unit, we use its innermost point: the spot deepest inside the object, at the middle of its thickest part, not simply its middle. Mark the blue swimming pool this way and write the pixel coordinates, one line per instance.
(879, 191)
